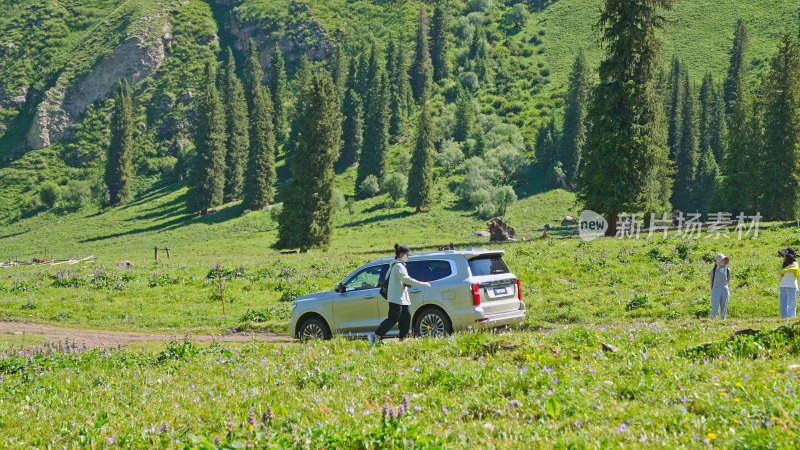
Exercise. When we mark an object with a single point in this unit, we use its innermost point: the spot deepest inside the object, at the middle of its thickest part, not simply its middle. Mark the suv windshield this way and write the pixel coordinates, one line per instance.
(487, 265)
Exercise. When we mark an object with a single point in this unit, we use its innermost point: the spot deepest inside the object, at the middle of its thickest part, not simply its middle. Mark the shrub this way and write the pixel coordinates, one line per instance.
(395, 185)
(474, 180)
(483, 6)
(275, 212)
(339, 201)
(470, 81)
(450, 156)
(510, 161)
(482, 202)
(48, 194)
(503, 197)
(369, 187)
(76, 194)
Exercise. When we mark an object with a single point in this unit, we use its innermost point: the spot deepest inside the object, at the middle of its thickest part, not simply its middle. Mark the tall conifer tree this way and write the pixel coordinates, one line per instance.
(236, 120)
(397, 74)
(306, 219)
(353, 125)
(207, 180)
(120, 150)
(438, 43)
(626, 154)
(737, 65)
(420, 177)
(573, 135)
(253, 74)
(376, 133)
(686, 158)
(278, 93)
(421, 71)
(738, 190)
(260, 176)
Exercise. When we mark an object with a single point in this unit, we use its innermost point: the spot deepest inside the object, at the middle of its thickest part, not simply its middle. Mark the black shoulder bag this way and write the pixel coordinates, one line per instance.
(385, 288)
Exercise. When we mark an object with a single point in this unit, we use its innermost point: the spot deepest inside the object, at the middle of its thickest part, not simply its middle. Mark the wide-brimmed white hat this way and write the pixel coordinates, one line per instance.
(720, 257)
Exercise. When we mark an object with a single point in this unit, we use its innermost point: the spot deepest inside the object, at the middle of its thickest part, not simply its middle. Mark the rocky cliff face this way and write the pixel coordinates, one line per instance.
(134, 60)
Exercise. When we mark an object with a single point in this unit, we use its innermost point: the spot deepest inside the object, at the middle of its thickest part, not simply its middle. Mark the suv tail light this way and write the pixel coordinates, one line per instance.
(476, 294)
(519, 290)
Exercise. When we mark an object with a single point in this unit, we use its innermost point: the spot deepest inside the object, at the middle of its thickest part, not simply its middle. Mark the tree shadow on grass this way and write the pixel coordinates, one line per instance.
(167, 209)
(379, 218)
(180, 221)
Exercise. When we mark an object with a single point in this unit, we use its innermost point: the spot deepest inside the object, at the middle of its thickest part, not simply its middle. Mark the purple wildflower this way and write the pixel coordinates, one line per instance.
(252, 417)
(406, 402)
(217, 440)
(385, 411)
(230, 425)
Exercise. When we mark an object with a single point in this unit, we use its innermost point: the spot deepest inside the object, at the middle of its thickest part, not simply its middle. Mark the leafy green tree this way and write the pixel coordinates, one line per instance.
(420, 177)
(686, 157)
(118, 162)
(573, 135)
(464, 117)
(502, 198)
(376, 133)
(625, 154)
(517, 16)
(438, 43)
(781, 156)
(260, 176)
(253, 74)
(369, 187)
(236, 129)
(397, 73)
(737, 66)
(278, 93)
(421, 70)
(306, 219)
(395, 184)
(207, 178)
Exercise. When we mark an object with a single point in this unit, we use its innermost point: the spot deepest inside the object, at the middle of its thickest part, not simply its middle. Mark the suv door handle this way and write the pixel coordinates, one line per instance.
(369, 296)
(414, 291)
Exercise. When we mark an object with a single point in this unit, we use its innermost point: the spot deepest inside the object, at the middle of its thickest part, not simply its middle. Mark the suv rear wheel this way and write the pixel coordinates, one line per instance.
(432, 322)
(314, 329)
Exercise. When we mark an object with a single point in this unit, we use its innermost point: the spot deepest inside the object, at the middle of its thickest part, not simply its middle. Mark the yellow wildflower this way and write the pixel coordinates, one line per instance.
(711, 436)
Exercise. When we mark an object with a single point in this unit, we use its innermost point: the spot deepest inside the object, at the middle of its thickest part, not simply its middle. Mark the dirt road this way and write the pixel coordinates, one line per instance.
(106, 338)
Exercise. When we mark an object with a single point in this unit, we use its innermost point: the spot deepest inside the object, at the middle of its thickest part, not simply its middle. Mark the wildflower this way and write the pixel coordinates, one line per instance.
(620, 428)
(385, 411)
(406, 402)
(736, 400)
(251, 419)
(217, 440)
(771, 371)
(711, 436)
(230, 425)
(738, 384)
(417, 408)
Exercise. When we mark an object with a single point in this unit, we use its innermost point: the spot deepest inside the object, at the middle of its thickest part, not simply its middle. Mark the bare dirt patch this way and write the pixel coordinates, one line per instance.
(108, 338)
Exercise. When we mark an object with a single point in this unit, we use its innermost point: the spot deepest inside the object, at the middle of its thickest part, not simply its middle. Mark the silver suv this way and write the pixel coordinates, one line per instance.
(469, 288)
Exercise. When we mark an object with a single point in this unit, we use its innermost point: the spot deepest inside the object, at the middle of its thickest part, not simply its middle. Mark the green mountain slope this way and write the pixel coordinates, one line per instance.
(48, 49)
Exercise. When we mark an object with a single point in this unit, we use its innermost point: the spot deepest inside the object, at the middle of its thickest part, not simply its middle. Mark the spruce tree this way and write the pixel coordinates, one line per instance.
(362, 82)
(253, 74)
(737, 66)
(782, 133)
(438, 43)
(705, 181)
(260, 176)
(674, 108)
(546, 146)
(306, 219)
(706, 112)
(277, 91)
(754, 174)
(302, 88)
(352, 128)
(372, 160)
(626, 154)
(207, 178)
(397, 74)
(120, 150)
(573, 135)
(353, 124)
(738, 190)
(480, 142)
(464, 116)
(236, 119)
(338, 70)
(717, 126)
(421, 76)
(420, 177)
(479, 54)
(686, 157)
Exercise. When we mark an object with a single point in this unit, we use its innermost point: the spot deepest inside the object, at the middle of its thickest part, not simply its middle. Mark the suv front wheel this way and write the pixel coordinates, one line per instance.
(432, 322)
(314, 329)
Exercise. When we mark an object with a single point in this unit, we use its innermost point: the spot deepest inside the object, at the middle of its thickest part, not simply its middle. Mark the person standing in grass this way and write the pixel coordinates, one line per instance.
(720, 293)
(397, 295)
(788, 286)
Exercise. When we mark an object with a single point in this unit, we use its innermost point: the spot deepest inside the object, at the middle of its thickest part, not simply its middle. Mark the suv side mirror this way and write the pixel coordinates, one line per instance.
(339, 288)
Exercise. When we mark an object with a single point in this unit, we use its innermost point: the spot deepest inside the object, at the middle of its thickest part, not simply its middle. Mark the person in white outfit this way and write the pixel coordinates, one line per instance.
(720, 293)
(788, 287)
(397, 295)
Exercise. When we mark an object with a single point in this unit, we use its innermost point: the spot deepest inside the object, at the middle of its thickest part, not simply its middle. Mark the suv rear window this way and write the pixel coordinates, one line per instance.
(429, 270)
(487, 265)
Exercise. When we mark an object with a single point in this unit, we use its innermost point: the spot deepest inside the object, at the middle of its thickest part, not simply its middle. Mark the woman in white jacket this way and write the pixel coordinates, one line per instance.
(397, 295)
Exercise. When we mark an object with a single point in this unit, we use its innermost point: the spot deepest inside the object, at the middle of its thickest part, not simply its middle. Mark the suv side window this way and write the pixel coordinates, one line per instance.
(431, 270)
(367, 278)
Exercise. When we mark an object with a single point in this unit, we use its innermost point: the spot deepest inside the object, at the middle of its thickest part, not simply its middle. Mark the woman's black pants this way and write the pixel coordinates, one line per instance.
(397, 313)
